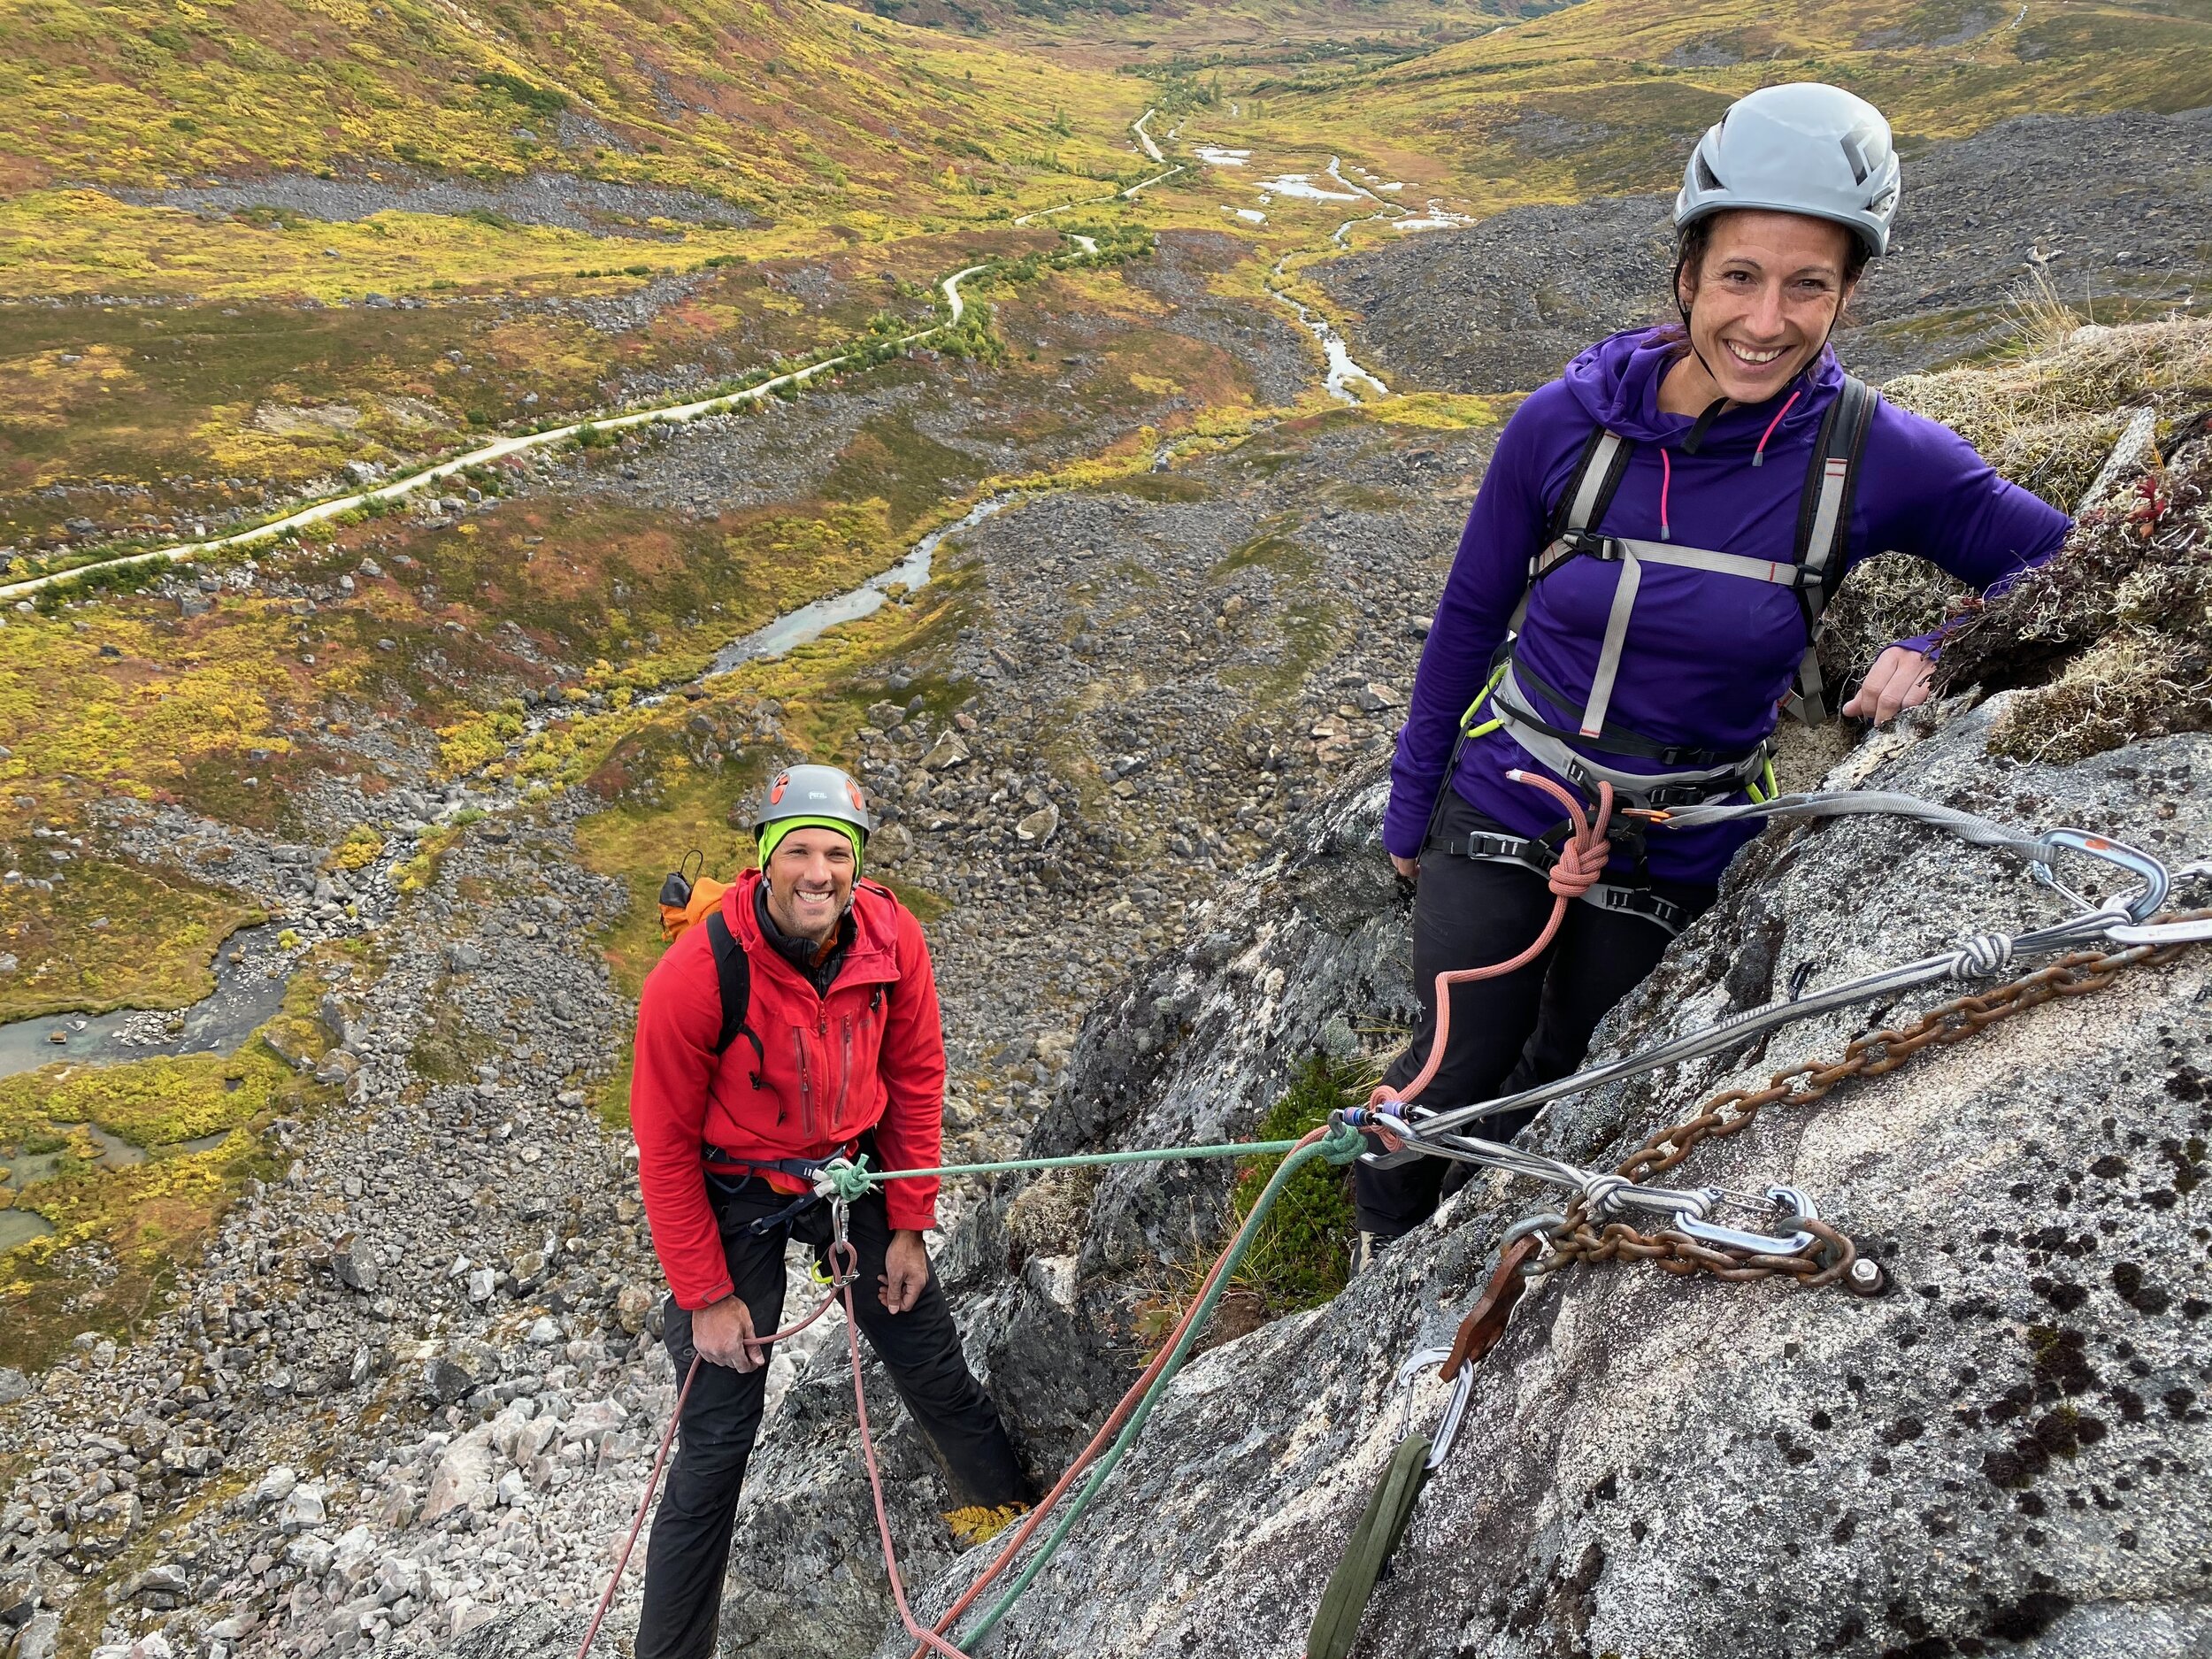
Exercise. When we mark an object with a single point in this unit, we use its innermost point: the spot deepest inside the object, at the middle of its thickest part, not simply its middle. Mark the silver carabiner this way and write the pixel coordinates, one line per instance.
(1455, 1409)
(2137, 863)
(1794, 1206)
(2159, 932)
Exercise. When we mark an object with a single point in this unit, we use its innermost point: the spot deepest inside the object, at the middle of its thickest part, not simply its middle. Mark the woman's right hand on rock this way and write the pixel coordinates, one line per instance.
(1409, 868)
(723, 1333)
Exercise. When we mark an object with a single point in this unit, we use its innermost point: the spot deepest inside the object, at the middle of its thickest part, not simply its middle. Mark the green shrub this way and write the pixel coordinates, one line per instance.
(1302, 1253)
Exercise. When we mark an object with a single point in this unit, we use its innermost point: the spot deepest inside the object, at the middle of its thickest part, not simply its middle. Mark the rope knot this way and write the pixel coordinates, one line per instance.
(849, 1181)
(1342, 1144)
(1983, 956)
(1602, 1192)
(1579, 866)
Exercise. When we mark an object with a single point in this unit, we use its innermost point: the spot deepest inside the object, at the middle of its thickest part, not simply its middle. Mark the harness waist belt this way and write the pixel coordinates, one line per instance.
(1619, 740)
(792, 1169)
(1694, 787)
(1540, 855)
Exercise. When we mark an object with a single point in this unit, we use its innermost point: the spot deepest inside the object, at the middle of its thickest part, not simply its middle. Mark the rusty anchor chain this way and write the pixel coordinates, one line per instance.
(1587, 1236)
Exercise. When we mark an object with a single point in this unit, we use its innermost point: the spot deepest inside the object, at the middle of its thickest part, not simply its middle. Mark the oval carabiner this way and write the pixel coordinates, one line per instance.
(1793, 1204)
(1455, 1409)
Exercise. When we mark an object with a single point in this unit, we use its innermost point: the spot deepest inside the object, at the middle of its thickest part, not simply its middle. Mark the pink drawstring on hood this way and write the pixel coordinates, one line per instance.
(1666, 477)
(1759, 455)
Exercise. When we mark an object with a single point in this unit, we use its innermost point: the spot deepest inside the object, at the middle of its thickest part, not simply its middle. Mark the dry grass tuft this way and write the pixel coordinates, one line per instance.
(2113, 638)
(2128, 685)
(2047, 419)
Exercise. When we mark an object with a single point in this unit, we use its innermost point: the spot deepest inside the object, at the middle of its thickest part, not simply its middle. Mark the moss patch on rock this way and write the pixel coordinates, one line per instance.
(1304, 1251)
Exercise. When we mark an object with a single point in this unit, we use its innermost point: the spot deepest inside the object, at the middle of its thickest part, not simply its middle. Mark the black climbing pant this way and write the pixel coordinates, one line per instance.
(1511, 1033)
(689, 1555)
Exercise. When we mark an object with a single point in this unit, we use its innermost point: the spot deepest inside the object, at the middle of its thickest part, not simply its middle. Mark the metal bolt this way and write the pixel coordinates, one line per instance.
(1866, 1278)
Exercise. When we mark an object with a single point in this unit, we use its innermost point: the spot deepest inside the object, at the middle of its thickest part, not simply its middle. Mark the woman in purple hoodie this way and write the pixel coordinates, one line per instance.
(1633, 598)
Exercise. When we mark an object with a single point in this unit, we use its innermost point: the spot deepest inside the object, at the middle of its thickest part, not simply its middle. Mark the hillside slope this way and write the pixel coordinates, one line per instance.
(776, 109)
(2109, 210)
(1602, 97)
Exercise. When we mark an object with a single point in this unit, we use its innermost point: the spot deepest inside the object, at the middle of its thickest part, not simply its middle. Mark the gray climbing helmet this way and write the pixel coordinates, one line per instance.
(1805, 147)
(811, 797)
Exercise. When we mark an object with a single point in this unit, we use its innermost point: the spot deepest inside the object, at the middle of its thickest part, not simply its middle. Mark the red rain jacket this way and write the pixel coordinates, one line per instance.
(871, 1054)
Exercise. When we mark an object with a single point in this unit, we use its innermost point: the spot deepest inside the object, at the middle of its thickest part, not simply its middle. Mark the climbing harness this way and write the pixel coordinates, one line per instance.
(1542, 854)
(1813, 574)
(1574, 742)
(1976, 959)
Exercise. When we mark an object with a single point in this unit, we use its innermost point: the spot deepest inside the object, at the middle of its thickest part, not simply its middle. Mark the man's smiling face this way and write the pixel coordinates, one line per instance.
(809, 878)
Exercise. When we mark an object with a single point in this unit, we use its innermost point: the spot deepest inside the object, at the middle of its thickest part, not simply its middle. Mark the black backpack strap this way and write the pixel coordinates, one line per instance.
(1582, 504)
(1823, 527)
(733, 972)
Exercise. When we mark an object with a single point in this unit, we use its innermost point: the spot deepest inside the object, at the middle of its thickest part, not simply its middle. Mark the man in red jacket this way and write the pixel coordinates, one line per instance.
(840, 1051)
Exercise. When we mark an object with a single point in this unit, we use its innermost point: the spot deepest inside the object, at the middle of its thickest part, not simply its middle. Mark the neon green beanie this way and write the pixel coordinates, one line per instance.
(773, 834)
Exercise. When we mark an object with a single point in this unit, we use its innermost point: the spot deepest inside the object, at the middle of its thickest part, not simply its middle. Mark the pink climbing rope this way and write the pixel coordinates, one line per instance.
(1582, 861)
(668, 1438)
(921, 1632)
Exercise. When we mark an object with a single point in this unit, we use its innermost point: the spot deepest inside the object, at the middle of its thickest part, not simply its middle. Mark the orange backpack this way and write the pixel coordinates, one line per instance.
(687, 899)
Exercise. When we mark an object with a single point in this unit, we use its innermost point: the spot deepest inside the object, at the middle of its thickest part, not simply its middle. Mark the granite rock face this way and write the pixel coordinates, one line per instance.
(2006, 1454)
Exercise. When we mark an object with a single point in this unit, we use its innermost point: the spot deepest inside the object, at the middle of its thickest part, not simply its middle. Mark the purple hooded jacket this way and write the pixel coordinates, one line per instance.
(1708, 657)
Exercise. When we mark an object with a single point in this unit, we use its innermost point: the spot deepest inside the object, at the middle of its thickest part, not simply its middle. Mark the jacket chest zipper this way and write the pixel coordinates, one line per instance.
(844, 1071)
(806, 1084)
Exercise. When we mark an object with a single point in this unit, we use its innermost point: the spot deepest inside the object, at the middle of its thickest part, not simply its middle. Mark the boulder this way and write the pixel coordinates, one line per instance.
(946, 753)
(466, 1478)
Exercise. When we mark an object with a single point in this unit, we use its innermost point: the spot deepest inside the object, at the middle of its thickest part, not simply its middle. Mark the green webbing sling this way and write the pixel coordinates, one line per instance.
(1344, 1602)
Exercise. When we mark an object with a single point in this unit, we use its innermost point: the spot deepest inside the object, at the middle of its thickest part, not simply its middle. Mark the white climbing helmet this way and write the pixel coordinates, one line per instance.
(1804, 148)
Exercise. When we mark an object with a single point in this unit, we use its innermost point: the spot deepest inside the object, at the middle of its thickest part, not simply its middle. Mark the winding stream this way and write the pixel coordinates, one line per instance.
(810, 622)
(248, 992)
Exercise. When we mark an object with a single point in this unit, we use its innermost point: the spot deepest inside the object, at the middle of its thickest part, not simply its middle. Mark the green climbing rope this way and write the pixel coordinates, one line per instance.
(854, 1180)
(1341, 1146)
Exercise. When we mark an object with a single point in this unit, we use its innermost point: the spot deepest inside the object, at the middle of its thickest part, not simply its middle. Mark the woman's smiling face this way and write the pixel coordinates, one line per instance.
(1762, 301)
